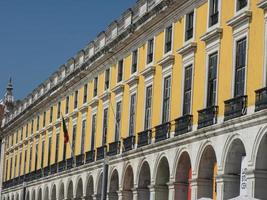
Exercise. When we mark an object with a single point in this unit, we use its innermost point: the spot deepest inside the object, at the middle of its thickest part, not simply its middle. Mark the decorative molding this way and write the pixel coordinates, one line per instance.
(132, 81)
(84, 107)
(166, 60)
(262, 5)
(240, 19)
(212, 35)
(94, 102)
(149, 71)
(105, 95)
(119, 88)
(188, 48)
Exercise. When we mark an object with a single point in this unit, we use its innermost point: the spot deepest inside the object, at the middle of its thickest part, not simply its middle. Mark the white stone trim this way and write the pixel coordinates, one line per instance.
(210, 28)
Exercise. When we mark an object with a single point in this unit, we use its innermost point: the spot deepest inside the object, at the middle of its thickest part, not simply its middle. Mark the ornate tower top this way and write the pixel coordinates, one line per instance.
(9, 98)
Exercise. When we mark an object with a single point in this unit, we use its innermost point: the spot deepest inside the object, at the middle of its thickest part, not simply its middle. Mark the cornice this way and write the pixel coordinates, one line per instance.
(262, 5)
(133, 80)
(94, 102)
(240, 18)
(212, 35)
(167, 60)
(148, 71)
(119, 88)
(105, 95)
(84, 107)
(188, 48)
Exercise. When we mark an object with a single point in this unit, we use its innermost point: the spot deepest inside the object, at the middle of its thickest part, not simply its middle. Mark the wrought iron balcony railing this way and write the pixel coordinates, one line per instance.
(90, 156)
(46, 171)
(53, 169)
(114, 148)
(144, 138)
(70, 163)
(207, 116)
(261, 99)
(100, 152)
(162, 131)
(235, 107)
(79, 160)
(128, 143)
(62, 166)
(39, 173)
(183, 124)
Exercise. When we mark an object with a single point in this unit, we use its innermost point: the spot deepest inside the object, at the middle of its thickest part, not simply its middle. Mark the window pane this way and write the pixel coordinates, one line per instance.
(166, 99)
(187, 90)
(148, 107)
(132, 115)
(212, 80)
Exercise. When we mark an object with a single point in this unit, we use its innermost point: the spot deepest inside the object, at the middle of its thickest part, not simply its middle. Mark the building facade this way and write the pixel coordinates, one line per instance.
(172, 96)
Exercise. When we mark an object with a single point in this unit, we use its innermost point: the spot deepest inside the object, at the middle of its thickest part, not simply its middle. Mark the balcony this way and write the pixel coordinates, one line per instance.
(90, 156)
(70, 163)
(46, 171)
(235, 107)
(207, 116)
(79, 160)
(39, 174)
(261, 99)
(162, 132)
(144, 138)
(100, 152)
(114, 148)
(128, 143)
(21, 179)
(183, 124)
(53, 169)
(62, 166)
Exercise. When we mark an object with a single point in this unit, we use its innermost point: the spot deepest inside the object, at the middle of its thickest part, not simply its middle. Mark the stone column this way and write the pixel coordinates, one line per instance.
(171, 187)
(227, 186)
(97, 197)
(257, 179)
(179, 190)
(152, 192)
(194, 188)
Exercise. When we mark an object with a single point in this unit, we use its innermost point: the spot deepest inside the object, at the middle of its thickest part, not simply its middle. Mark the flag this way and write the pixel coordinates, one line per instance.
(65, 131)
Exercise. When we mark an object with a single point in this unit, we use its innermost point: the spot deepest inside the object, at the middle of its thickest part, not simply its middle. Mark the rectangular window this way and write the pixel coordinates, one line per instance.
(67, 104)
(32, 126)
(20, 162)
(15, 166)
(36, 156)
(212, 79)
(44, 119)
(30, 160)
(241, 4)
(148, 107)
(74, 130)
(11, 168)
(150, 51)
(132, 114)
(107, 74)
(93, 132)
(27, 130)
(120, 71)
(189, 26)
(105, 126)
(75, 99)
(85, 93)
(95, 86)
(17, 137)
(42, 158)
(166, 99)
(118, 121)
(51, 114)
(25, 161)
(187, 90)
(134, 61)
(168, 39)
(240, 67)
(214, 12)
(58, 109)
(49, 151)
(57, 148)
(83, 135)
(38, 123)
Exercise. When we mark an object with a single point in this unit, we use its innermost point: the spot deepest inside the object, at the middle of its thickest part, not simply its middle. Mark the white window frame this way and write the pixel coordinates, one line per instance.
(210, 28)
(132, 91)
(84, 117)
(118, 98)
(137, 57)
(93, 112)
(194, 27)
(171, 51)
(237, 12)
(123, 71)
(105, 106)
(154, 44)
(148, 82)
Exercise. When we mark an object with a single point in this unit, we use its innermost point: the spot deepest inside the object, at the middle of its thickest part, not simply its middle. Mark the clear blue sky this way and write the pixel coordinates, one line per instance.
(37, 36)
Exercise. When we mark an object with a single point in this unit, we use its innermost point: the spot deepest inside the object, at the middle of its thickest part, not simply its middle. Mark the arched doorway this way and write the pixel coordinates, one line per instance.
(79, 191)
(33, 194)
(61, 192)
(144, 182)
(183, 177)
(99, 187)
(54, 193)
(27, 196)
(128, 184)
(46, 193)
(261, 170)
(233, 168)
(207, 173)
(39, 194)
(113, 186)
(90, 188)
(70, 191)
(162, 179)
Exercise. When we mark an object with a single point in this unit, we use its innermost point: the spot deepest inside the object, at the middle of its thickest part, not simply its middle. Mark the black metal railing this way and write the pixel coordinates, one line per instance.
(53, 169)
(79, 160)
(128, 143)
(162, 131)
(100, 152)
(46, 171)
(207, 116)
(144, 138)
(90, 156)
(39, 173)
(261, 99)
(235, 107)
(183, 124)
(70, 163)
(62, 166)
(114, 148)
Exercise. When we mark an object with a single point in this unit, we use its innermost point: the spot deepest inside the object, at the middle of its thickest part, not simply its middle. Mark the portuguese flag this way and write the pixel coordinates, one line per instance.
(65, 131)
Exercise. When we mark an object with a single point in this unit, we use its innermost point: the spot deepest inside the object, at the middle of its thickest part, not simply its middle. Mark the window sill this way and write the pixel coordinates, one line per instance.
(84, 107)
(105, 95)
(132, 81)
(166, 60)
(74, 113)
(119, 88)
(94, 102)
(148, 71)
